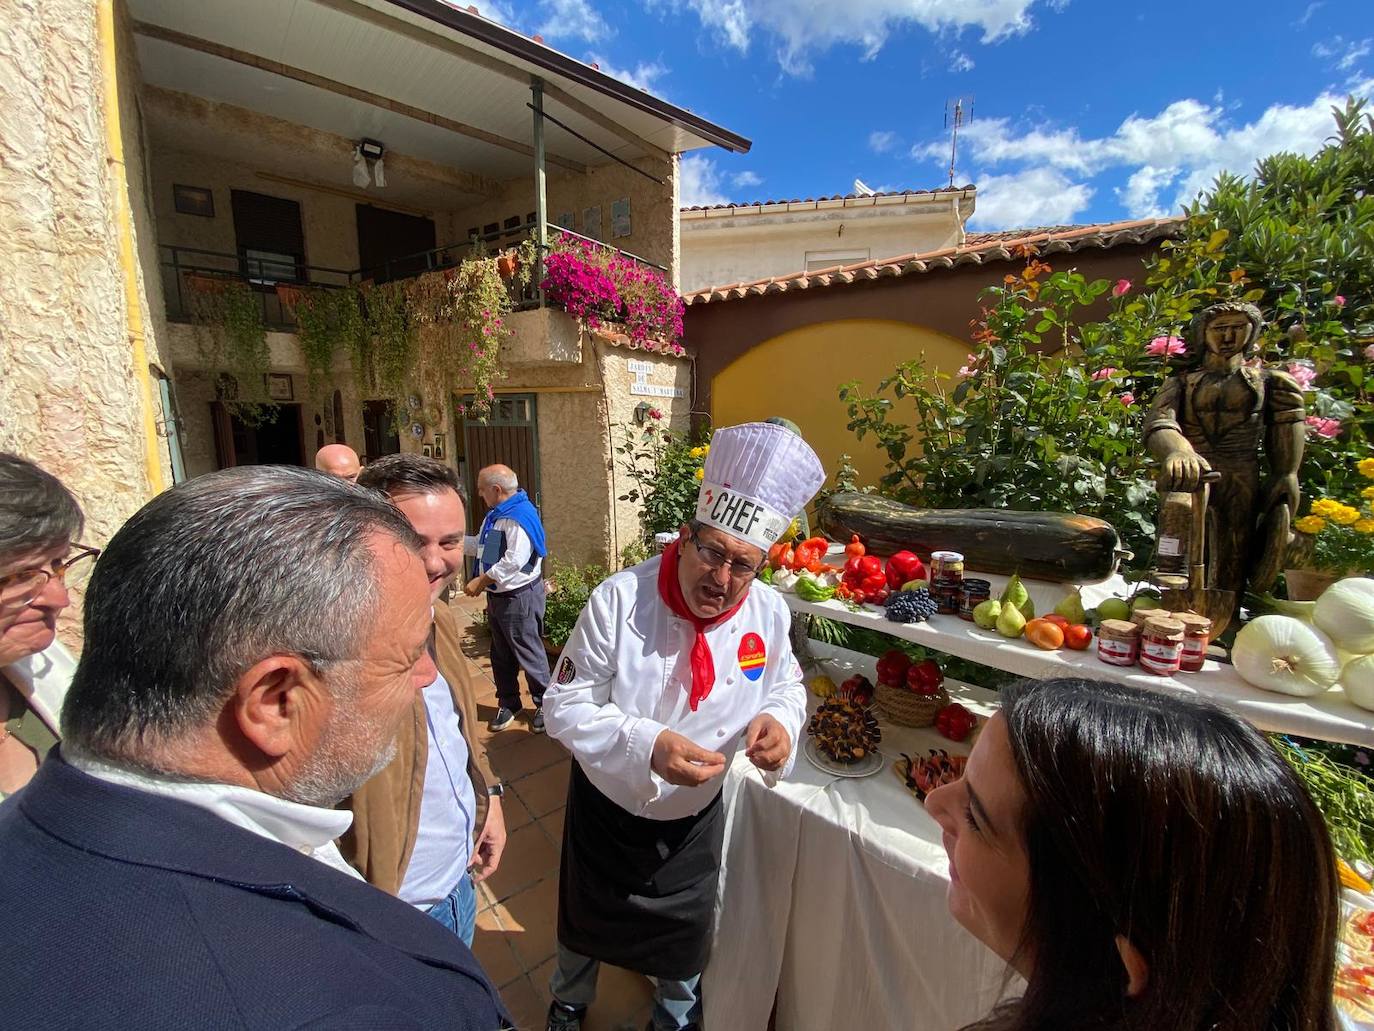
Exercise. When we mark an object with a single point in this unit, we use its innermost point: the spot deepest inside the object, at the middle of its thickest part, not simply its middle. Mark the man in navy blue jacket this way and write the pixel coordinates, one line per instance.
(253, 640)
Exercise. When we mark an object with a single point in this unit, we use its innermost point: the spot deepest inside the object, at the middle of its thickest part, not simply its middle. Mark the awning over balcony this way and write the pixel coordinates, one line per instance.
(428, 79)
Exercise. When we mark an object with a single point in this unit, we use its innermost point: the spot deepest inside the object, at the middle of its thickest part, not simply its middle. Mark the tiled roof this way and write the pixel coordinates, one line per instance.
(977, 249)
(820, 200)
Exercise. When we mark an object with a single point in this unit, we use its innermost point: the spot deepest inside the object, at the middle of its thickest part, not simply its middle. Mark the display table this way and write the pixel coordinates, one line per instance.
(832, 898)
(1329, 716)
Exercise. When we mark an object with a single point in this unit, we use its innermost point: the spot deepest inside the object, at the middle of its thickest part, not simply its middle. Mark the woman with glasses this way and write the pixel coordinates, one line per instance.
(39, 520)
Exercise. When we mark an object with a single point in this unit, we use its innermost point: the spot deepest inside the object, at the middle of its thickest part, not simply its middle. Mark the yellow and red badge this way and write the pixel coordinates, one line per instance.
(752, 656)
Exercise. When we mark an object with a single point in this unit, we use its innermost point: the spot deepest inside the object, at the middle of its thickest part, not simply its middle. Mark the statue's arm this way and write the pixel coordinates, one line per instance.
(1284, 438)
(1181, 466)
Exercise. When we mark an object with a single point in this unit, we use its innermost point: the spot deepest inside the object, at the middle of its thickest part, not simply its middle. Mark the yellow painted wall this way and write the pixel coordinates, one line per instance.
(797, 375)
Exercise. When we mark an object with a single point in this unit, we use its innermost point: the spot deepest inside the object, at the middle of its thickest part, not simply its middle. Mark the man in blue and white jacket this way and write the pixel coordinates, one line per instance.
(510, 552)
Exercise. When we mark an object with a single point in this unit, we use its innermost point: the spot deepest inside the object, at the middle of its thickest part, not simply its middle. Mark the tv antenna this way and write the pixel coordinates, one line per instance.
(957, 116)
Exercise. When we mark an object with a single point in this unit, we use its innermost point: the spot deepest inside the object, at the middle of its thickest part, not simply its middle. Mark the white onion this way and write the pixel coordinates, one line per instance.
(1345, 612)
(1283, 654)
(1358, 680)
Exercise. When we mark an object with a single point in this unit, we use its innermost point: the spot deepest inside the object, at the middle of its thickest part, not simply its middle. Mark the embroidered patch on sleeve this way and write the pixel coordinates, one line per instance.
(752, 656)
(566, 670)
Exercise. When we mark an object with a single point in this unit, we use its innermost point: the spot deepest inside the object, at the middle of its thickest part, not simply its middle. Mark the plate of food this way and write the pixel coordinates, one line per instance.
(843, 739)
(923, 775)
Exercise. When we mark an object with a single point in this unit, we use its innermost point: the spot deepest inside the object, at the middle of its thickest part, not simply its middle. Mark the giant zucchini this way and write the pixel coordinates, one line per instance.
(1054, 546)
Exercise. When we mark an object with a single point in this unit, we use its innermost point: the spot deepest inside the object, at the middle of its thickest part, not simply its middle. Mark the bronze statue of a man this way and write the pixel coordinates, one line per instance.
(1245, 423)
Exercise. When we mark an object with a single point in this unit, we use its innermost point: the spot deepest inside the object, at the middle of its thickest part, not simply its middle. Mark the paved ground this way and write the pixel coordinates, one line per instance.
(518, 905)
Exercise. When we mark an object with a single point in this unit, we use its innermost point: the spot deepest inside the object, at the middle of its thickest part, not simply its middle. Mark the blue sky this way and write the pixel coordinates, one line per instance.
(1083, 110)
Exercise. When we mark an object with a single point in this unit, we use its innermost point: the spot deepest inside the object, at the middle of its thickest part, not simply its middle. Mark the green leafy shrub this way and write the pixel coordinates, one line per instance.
(666, 470)
(569, 588)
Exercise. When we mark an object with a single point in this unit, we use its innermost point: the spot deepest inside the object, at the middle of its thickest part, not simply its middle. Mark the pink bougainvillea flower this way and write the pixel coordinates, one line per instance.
(1166, 346)
(1324, 428)
(1304, 374)
(1338, 301)
(1128, 399)
(1122, 286)
(1106, 373)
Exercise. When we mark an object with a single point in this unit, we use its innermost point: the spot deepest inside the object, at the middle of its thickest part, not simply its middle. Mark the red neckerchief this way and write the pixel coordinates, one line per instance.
(670, 590)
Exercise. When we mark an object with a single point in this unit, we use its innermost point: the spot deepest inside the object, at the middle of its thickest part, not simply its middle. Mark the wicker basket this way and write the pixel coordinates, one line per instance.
(908, 708)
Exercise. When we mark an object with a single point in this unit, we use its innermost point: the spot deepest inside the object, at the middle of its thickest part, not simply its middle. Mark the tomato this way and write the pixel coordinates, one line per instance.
(871, 565)
(1044, 634)
(855, 548)
(925, 677)
(1055, 618)
(892, 667)
(1077, 636)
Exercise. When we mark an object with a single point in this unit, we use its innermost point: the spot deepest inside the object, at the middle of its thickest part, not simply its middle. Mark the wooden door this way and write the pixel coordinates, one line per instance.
(509, 436)
(379, 430)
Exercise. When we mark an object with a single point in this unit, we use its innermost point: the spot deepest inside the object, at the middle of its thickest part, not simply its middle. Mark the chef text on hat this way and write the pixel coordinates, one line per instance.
(758, 476)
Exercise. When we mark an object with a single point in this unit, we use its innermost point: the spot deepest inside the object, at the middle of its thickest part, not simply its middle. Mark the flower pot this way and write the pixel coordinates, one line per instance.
(1307, 584)
(289, 295)
(553, 650)
(204, 284)
(506, 264)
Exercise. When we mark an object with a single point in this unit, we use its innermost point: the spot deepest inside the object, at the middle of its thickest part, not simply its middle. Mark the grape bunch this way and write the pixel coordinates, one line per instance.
(911, 606)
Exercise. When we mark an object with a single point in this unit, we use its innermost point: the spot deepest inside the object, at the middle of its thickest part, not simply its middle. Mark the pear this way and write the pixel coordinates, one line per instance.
(1015, 592)
(985, 613)
(1027, 608)
(1010, 622)
(1071, 608)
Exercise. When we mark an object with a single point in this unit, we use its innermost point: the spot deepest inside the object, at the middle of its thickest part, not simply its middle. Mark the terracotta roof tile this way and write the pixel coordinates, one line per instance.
(977, 249)
(817, 200)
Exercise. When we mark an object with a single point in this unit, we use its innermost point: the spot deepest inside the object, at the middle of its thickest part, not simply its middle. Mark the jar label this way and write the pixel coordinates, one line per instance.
(1161, 658)
(1121, 653)
(1194, 647)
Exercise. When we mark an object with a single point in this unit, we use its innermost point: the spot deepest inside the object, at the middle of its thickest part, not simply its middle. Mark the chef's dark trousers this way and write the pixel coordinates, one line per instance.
(517, 642)
(677, 1004)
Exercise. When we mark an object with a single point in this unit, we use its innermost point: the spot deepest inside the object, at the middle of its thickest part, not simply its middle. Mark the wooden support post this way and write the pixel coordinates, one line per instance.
(541, 201)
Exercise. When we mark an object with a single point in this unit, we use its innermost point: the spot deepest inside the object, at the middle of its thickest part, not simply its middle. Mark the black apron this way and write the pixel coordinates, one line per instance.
(638, 893)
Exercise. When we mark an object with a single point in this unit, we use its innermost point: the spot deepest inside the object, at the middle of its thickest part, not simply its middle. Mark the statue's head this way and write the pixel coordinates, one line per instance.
(1226, 329)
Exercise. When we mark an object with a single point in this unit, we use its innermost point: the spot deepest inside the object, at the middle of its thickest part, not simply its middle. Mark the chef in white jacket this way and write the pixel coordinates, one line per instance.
(674, 666)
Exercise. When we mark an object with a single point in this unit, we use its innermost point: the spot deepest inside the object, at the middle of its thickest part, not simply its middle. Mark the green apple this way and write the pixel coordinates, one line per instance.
(1113, 608)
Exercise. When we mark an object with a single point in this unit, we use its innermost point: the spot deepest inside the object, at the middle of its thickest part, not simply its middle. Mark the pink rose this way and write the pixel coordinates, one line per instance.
(1166, 346)
(1325, 428)
(1106, 373)
(1128, 399)
(1369, 353)
(1304, 374)
(654, 413)
(1338, 301)
(1122, 286)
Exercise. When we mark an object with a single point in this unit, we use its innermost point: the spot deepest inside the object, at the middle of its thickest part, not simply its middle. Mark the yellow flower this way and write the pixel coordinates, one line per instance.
(1366, 467)
(696, 452)
(706, 450)
(1310, 524)
(1365, 526)
(1325, 507)
(1367, 493)
(1345, 515)
(701, 474)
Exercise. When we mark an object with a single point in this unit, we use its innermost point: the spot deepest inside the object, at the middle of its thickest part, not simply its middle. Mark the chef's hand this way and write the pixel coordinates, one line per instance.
(476, 585)
(767, 743)
(679, 761)
(486, 857)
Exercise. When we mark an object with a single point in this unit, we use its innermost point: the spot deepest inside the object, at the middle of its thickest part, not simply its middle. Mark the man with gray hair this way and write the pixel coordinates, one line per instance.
(510, 552)
(253, 640)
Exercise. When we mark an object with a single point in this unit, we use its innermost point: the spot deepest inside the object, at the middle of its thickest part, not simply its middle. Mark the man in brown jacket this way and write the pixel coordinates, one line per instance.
(430, 824)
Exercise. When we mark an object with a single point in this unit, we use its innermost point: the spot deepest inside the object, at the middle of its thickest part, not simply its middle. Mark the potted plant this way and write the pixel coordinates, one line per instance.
(569, 588)
(1334, 539)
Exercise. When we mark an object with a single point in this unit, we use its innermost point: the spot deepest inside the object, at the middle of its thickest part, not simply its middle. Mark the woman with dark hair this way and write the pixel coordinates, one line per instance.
(39, 520)
(1144, 862)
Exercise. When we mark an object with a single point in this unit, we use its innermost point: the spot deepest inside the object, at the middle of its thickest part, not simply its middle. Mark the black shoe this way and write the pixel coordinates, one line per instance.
(565, 1018)
(537, 724)
(503, 719)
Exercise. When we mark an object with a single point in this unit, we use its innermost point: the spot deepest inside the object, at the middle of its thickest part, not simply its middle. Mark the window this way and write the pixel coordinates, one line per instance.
(817, 260)
(271, 243)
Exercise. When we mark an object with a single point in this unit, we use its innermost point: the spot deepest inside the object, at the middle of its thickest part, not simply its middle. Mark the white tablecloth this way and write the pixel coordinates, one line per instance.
(833, 897)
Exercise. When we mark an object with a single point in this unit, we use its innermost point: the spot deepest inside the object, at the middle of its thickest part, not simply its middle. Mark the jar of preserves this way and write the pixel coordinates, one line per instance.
(972, 593)
(946, 565)
(1118, 642)
(1161, 646)
(1197, 631)
(1140, 615)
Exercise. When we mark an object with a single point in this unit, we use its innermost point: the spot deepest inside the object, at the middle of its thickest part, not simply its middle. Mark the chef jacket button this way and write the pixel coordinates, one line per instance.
(729, 680)
(720, 733)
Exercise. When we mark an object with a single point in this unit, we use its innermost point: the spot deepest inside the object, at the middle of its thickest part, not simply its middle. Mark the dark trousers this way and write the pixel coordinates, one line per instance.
(517, 642)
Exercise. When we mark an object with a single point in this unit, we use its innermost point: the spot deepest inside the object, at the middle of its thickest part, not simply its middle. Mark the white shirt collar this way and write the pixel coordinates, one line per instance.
(306, 828)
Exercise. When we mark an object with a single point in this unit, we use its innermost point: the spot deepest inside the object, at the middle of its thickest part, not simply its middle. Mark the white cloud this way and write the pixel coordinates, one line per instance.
(699, 182)
(746, 179)
(1180, 149)
(575, 19)
(1032, 197)
(642, 76)
(960, 62)
(1345, 54)
(1307, 14)
(881, 142)
(797, 28)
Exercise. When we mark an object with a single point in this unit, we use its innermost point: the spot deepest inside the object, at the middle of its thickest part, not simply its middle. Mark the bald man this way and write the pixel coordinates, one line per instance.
(510, 552)
(338, 460)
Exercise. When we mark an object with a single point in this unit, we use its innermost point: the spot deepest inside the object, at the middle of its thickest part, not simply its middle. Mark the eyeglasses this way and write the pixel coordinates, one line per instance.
(19, 589)
(715, 558)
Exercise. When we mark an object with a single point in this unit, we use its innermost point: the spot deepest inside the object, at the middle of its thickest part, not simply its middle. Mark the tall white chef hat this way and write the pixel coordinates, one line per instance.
(758, 477)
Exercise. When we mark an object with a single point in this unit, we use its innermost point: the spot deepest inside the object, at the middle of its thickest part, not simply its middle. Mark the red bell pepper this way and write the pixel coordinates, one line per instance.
(811, 550)
(904, 567)
(955, 722)
(892, 668)
(925, 677)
